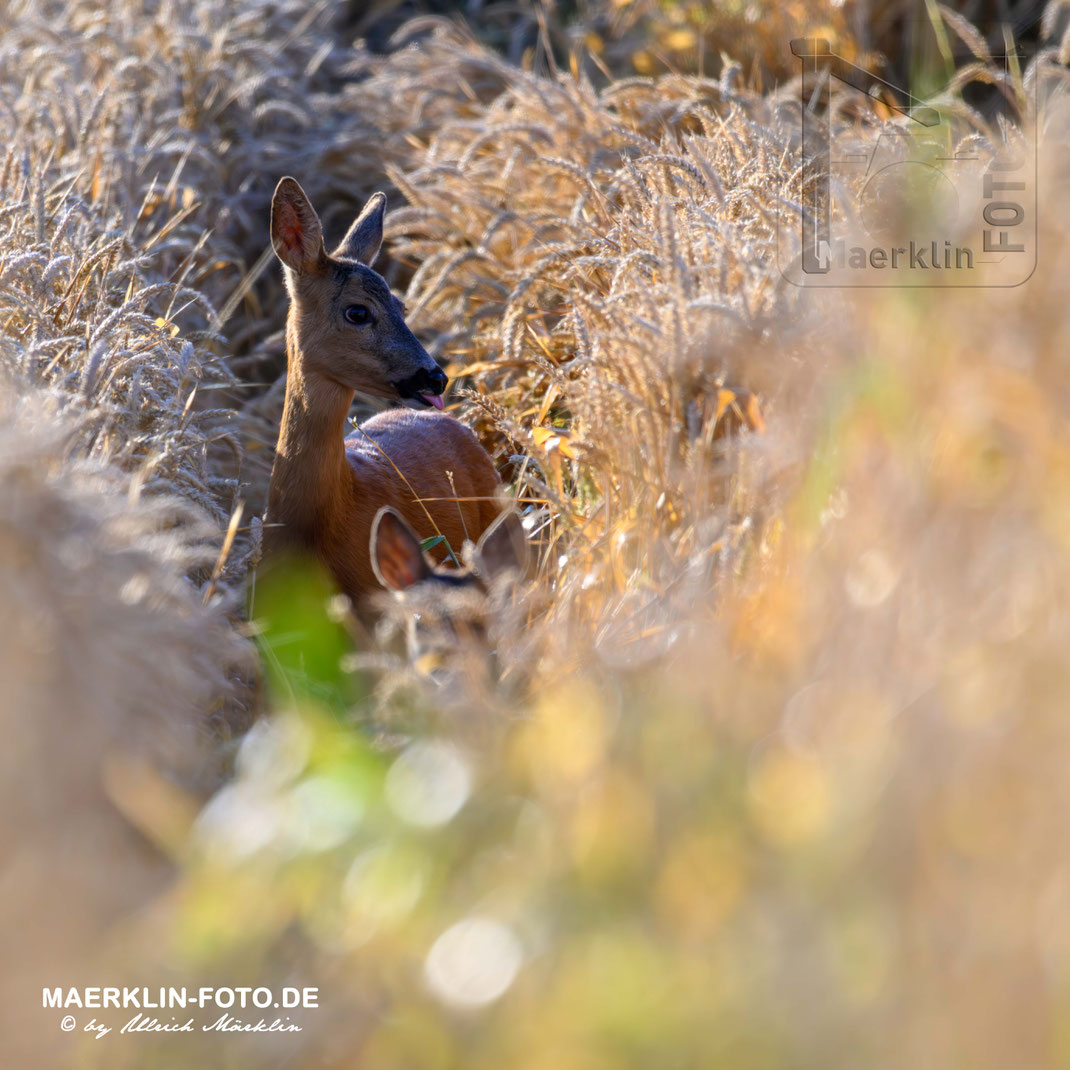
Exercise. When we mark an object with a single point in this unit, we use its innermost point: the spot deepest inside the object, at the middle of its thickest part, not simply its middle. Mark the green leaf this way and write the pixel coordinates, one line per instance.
(303, 647)
(430, 544)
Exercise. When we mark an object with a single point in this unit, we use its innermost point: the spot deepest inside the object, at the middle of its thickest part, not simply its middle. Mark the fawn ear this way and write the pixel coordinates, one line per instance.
(397, 558)
(365, 236)
(296, 234)
(503, 547)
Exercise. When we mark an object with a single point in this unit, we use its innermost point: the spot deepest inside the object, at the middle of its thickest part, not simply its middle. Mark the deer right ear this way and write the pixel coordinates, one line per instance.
(503, 547)
(296, 234)
(397, 557)
(365, 236)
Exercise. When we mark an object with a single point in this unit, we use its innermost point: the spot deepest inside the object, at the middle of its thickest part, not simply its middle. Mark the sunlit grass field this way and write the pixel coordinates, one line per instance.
(764, 768)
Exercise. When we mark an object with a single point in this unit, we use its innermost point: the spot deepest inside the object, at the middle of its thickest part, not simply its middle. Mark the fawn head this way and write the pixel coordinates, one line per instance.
(400, 563)
(348, 326)
(447, 608)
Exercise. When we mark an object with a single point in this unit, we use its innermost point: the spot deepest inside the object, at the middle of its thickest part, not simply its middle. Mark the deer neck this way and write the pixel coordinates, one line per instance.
(310, 473)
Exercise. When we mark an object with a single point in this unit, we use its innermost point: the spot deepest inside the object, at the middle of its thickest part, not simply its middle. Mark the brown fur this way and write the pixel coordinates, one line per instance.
(326, 488)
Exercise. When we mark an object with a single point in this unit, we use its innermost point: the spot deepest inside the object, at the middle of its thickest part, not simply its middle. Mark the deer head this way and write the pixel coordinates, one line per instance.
(345, 324)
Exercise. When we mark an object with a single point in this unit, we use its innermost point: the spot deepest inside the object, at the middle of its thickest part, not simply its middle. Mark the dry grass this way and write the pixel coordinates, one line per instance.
(598, 267)
(773, 776)
(886, 37)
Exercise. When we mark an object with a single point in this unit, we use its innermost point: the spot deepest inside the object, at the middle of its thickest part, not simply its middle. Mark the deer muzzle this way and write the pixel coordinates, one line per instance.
(425, 386)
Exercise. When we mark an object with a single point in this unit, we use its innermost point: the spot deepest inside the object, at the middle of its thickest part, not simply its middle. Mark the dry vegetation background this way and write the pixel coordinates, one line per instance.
(769, 766)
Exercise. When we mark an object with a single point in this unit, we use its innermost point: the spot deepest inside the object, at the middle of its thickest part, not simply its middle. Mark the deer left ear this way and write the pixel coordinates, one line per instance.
(365, 237)
(397, 557)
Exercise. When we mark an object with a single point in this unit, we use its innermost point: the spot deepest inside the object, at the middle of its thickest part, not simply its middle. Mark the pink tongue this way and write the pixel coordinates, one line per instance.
(434, 399)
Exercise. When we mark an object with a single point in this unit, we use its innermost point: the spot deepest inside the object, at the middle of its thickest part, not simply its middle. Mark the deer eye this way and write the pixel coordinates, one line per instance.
(358, 315)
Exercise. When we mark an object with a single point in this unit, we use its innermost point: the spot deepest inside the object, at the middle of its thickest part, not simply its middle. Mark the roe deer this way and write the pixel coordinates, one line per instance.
(443, 607)
(399, 560)
(345, 332)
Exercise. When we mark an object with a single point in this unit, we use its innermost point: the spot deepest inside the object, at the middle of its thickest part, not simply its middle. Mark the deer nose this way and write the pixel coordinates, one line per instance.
(425, 381)
(434, 381)
(425, 384)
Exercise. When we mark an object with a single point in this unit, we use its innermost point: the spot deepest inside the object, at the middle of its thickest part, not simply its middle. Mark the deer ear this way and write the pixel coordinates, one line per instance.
(296, 234)
(365, 236)
(397, 558)
(503, 547)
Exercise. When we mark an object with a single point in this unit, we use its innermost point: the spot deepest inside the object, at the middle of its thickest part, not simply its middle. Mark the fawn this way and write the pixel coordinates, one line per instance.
(442, 608)
(346, 332)
(400, 563)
